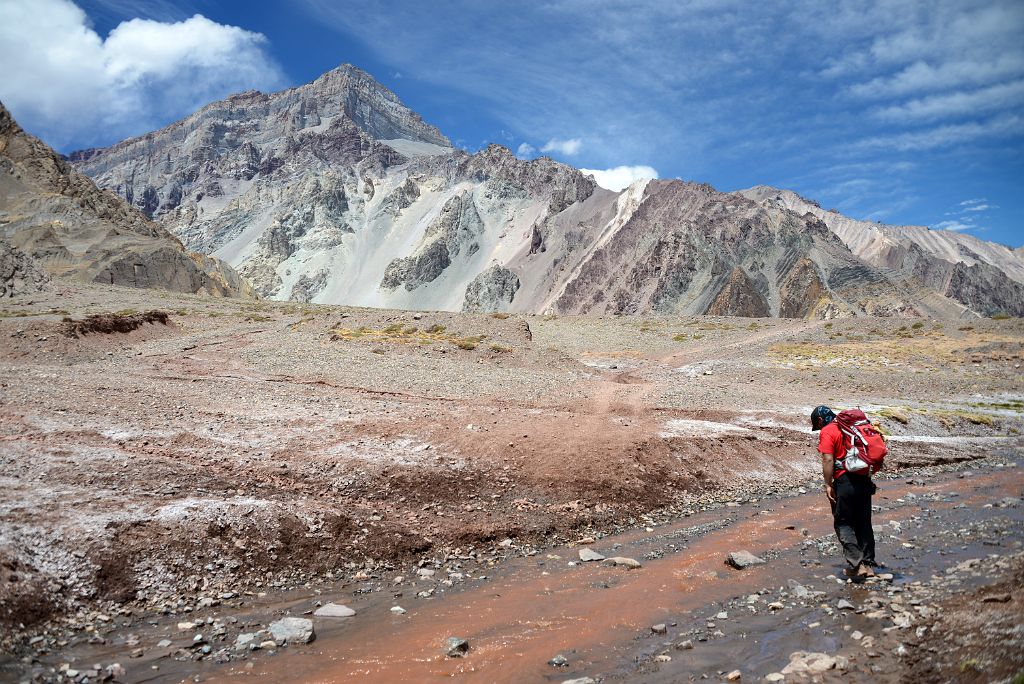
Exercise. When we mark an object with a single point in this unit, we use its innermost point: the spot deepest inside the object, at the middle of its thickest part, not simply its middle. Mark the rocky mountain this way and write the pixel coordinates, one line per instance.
(59, 218)
(335, 192)
(985, 276)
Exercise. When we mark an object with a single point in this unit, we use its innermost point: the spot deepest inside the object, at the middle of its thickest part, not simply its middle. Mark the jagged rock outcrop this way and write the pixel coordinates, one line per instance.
(739, 297)
(801, 290)
(335, 192)
(492, 290)
(19, 273)
(985, 277)
(71, 228)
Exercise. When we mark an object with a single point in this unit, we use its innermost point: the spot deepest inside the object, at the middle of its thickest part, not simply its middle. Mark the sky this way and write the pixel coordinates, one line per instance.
(898, 111)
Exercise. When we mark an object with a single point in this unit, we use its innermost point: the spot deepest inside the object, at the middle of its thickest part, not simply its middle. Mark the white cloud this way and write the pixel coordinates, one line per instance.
(526, 151)
(953, 225)
(64, 82)
(946, 136)
(980, 207)
(621, 176)
(567, 147)
(969, 202)
(960, 103)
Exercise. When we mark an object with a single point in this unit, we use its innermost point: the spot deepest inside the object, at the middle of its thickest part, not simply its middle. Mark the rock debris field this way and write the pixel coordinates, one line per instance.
(202, 488)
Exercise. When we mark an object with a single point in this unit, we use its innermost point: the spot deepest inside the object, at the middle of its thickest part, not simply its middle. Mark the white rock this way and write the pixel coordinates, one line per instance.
(293, 630)
(334, 610)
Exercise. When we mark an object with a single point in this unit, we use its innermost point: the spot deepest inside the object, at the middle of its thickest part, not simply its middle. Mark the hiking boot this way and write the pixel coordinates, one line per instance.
(851, 572)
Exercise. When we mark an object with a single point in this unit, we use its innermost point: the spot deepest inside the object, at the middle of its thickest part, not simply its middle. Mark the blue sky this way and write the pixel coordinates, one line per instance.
(905, 112)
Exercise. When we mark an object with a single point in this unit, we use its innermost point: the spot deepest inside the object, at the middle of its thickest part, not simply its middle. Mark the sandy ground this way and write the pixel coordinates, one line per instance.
(241, 450)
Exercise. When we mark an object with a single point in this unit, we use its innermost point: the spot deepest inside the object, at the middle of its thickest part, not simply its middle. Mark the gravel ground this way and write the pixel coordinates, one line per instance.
(258, 447)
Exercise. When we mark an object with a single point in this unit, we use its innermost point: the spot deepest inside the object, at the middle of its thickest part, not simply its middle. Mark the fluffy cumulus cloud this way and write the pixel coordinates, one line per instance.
(620, 177)
(65, 82)
(569, 148)
(526, 151)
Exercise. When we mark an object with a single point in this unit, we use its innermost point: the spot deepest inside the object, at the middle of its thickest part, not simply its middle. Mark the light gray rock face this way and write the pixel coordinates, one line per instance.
(334, 192)
(492, 290)
(19, 273)
(71, 228)
(985, 277)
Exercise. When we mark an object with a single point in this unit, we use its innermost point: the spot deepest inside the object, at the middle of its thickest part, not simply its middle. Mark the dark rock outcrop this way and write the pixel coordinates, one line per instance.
(19, 273)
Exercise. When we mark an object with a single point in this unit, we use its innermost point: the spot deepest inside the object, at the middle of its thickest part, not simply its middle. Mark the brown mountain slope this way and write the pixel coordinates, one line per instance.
(73, 229)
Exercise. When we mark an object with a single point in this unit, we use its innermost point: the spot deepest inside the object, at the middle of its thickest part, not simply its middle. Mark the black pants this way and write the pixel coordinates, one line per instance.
(851, 514)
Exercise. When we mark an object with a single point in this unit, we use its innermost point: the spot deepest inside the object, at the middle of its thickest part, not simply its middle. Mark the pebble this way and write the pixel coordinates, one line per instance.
(775, 677)
(843, 604)
(659, 628)
(398, 610)
(684, 645)
(587, 555)
(559, 661)
(579, 680)
(734, 676)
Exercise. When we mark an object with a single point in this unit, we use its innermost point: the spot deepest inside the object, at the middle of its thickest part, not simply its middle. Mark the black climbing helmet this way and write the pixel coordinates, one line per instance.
(821, 416)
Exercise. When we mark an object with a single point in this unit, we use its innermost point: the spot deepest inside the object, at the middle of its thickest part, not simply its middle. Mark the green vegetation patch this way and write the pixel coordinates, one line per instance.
(399, 333)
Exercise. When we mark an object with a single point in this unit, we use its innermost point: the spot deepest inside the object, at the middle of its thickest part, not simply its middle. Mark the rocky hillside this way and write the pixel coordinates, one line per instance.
(65, 224)
(335, 192)
(984, 276)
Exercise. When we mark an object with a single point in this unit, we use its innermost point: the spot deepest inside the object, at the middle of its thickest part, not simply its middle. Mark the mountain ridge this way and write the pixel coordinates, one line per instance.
(302, 191)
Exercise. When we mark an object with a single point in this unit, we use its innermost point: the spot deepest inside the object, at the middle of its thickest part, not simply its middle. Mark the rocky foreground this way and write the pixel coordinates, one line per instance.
(220, 465)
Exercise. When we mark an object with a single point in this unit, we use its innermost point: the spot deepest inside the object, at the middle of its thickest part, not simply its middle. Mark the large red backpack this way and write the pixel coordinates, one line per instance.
(865, 447)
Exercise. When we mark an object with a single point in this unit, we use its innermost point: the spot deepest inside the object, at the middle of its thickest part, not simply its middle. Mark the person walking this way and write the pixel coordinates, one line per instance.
(849, 495)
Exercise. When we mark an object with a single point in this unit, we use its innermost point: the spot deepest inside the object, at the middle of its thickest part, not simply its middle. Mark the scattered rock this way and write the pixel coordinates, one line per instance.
(334, 610)
(684, 645)
(734, 676)
(587, 555)
(805, 663)
(580, 680)
(996, 598)
(292, 630)
(743, 559)
(659, 628)
(843, 604)
(456, 647)
(398, 610)
(628, 563)
(775, 677)
(559, 661)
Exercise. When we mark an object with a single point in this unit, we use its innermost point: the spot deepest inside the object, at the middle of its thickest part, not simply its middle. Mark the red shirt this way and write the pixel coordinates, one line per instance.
(830, 441)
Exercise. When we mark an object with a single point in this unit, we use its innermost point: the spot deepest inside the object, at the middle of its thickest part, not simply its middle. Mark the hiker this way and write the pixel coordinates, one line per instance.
(851, 449)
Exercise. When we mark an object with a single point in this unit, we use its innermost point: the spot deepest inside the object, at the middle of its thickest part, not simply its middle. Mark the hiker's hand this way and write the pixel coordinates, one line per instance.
(830, 492)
